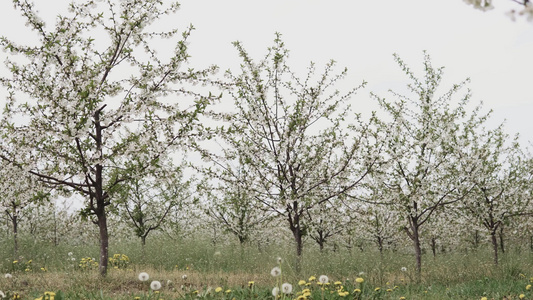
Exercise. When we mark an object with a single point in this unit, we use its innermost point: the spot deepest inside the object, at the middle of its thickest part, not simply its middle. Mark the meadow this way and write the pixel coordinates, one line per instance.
(193, 268)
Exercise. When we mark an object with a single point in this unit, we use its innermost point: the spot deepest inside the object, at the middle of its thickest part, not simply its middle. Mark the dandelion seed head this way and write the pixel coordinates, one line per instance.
(323, 279)
(155, 285)
(275, 291)
(143, 276)
(276, 271)
(286, 288)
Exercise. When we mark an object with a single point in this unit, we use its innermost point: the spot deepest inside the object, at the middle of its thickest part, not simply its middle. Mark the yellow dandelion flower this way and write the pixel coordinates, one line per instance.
(301, 282)
(377, 289)
(337, 283)
(357, 291)
(228, 291)
(402, 298)
(484, 298)
(359, 280)
(251, 283)
(389, 290)
(218, 290)
(528, 287)
(522, 296)
(313, 278)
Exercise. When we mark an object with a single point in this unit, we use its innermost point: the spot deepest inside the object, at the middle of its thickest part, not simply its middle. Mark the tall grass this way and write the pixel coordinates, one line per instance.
(452, 275)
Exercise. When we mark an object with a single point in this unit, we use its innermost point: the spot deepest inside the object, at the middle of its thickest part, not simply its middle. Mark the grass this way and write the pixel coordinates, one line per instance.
(458, 275)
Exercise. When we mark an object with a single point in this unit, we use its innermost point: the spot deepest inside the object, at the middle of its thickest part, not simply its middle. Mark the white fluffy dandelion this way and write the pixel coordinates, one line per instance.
(404, 269)
(184, 276)
(279, 260)
(286, 288)
(2, 294)
(143, 276)
(275, 291)
(8, 276)
(155, 285)
(323, 279)
(276, 271)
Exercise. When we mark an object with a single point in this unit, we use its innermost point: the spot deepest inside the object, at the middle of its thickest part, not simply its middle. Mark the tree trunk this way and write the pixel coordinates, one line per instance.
(14, 220)
(418, 250)
(380, 245)
(104, 241)
(297, 233)
(434, 246)
(494, 246)
(501, 239)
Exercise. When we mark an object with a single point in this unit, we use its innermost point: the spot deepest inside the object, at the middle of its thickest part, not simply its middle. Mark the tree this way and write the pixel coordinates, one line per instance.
(231, 205)
(424, 139)
(290, 134)
(500, 184)
(20, 193)
(98, 100)
(145, 203)
(485, 5)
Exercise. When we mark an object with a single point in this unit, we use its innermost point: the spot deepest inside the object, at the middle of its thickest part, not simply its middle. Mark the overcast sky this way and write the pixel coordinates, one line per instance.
(496, 53)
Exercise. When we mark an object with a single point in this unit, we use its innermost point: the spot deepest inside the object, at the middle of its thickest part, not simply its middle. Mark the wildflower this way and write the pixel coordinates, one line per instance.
(312, 278)
(389, 290)
(377, 289)
(403, 269)
(70, 254)
(143, 276)
(301, 297)
(403, 298)
(251, 284)
(15, 261)
(43, 269)
(155, 285)
(337, 283)
(16, 296)
(276, 271)
(343, 294)
(357, 291)
(301, 282)
(2, 294)
(279, 260)
(359, 280)
(323, 279)
(50, 294)
(184, 276)
(228, 291)
(286, 288)
(275, 291)
(137, 298)
(8, 276)
(218, 290)
(528, 287)
(484, 298)
(522, 296)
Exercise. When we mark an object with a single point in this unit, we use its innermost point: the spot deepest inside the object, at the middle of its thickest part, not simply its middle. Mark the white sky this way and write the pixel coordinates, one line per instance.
(362, 35)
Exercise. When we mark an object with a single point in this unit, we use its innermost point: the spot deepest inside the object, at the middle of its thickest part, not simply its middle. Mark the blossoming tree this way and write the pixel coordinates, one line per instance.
(146, 203)
(91, 98)
(290, 133)
(500, 184)
(425, 137)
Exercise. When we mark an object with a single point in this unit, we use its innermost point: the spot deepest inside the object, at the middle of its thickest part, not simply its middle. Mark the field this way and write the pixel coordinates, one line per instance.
(194, 269)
